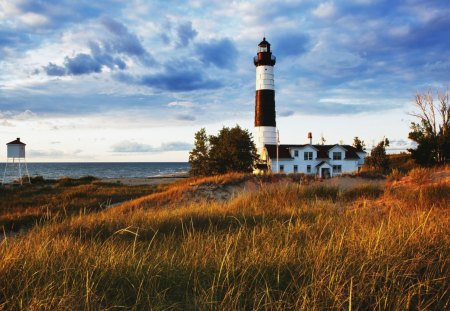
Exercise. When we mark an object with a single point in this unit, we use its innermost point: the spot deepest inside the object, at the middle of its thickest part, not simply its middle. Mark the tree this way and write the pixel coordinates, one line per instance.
(359, 144)
(199, 156)
(378, 158)
(232, 150)
(432, 132)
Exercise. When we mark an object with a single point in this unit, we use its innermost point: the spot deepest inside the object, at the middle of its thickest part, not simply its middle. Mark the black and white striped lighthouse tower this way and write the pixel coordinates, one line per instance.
(265, 124)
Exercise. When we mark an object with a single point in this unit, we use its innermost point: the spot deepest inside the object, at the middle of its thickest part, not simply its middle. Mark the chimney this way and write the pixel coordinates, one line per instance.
(18, 139)
(310, 138)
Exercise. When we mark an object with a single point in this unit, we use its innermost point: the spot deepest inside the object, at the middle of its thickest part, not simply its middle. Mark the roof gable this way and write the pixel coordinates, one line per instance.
(283, 151)
(16, 142)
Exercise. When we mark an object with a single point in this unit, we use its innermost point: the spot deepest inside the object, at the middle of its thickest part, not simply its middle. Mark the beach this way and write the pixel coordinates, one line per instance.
(136, 181)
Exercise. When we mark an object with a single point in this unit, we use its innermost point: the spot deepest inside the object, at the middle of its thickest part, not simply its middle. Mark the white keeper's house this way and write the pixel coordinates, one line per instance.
(322, 160)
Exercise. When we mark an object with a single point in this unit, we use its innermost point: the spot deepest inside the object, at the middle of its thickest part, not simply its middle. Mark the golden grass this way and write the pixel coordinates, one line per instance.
(282, 247)
(23, 206)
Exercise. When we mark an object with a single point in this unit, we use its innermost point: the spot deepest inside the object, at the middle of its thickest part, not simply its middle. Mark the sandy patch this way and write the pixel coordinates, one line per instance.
(142, 181)
(345, 182)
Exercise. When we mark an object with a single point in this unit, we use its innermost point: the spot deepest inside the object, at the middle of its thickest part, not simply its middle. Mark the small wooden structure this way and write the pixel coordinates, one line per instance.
(16, 152)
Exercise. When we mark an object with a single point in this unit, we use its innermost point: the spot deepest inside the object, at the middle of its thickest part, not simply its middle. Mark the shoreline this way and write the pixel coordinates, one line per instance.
(151, 180)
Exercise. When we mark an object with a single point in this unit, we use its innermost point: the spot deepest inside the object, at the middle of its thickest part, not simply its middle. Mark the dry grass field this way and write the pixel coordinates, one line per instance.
(237, 242)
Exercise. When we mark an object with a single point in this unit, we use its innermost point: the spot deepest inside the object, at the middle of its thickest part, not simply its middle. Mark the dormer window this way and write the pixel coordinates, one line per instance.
(337, 156)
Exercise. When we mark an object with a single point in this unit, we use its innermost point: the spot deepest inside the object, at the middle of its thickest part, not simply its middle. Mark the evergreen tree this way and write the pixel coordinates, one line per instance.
(359, 144)
(232, 150)
(199, 156)
(378, 158)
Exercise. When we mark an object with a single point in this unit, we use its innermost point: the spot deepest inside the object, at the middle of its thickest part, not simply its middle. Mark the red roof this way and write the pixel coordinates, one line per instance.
(16, 142)
(322, 151)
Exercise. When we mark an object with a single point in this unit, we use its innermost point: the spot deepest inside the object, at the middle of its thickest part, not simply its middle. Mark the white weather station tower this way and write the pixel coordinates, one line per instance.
(15, 163)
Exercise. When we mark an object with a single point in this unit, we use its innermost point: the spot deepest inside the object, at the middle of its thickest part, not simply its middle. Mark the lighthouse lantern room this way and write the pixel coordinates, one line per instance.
(265, 124)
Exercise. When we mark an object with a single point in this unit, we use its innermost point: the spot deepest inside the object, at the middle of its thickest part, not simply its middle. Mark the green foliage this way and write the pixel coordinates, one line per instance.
(432, 132)
(232, 150)
(378, 158)
(198, 157)
(402, 161)
(359, 144)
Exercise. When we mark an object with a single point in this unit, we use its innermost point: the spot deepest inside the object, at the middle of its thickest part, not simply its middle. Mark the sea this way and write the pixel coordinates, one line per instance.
(100, 170)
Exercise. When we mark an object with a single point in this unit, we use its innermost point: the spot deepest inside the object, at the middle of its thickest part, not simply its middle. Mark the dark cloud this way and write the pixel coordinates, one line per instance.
(129, 146)
(78, 104)
(106, 52)
(123, 41)
(185, 34)
(174, 77)
(55, 70)
(84, 64)
(185, 117)
(221, 53)
(286, 113)
(13, 39)
(291, 44)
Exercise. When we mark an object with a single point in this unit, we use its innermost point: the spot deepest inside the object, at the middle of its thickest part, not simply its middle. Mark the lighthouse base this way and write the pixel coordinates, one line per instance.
(265, 135)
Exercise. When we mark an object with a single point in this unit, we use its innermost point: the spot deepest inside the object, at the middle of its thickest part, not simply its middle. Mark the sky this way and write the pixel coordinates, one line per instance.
(124, 81)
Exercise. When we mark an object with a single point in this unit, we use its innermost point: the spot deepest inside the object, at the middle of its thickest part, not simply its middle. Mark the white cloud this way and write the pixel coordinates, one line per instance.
(26, 115)
(33, 19)
(186, 104)
(399, 31)
(325, 10)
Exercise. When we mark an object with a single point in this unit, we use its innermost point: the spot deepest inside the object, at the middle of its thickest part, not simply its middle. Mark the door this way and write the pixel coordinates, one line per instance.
(325, 172)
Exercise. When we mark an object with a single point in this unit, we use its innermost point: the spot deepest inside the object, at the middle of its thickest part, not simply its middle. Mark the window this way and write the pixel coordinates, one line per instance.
(337, 156)
(262, 49)
(295, 168)
(308, 168)
(308, 155)
(337, 168)
(281, 168)
(295, 153)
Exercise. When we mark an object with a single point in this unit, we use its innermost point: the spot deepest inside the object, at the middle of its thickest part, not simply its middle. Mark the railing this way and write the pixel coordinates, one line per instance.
(263, 61)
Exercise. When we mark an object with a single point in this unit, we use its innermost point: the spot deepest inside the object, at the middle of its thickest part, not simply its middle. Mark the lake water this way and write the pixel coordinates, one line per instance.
(100, 170)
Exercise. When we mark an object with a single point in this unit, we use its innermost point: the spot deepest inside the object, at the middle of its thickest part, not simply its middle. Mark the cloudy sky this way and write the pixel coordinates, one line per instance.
(134, 80)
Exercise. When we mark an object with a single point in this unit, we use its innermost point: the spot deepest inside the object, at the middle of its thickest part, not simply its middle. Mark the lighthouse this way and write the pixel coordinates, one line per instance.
(265, 124)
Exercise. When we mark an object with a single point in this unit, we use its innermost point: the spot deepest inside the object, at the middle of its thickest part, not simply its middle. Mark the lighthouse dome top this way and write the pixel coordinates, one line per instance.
(264, 46)
(264, 42)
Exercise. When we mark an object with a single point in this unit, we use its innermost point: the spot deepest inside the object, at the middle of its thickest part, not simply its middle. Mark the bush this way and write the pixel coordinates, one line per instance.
(37, 180)
(363, 191)
(395, 175)
(420, 175)
(371, 174)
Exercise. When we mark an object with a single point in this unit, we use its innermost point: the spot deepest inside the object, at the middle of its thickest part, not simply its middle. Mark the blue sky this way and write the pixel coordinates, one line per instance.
(134, 80)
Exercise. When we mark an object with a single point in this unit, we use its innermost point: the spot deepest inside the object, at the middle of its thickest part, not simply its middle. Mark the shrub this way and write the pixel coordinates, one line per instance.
(395, 175)
(420, 175)
(363, 191)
